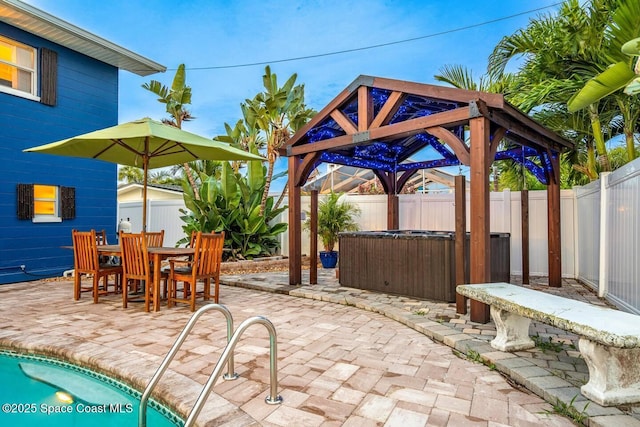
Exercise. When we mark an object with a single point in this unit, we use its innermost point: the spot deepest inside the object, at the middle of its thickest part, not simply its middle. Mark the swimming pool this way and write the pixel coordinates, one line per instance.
(39, 391)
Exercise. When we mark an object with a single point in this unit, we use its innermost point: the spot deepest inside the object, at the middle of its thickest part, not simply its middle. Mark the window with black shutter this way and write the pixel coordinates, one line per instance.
(45, 203)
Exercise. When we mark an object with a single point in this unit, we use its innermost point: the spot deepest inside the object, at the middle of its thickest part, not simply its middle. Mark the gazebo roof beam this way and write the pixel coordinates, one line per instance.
(399, 130)
(436, 92)
(387, 111)
(522, 125)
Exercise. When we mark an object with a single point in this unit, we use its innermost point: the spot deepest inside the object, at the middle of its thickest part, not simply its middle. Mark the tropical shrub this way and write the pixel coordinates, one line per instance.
(232, 204)
(334, 216)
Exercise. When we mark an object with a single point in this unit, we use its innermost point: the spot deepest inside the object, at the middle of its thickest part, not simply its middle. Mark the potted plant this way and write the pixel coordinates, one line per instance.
(334, 216)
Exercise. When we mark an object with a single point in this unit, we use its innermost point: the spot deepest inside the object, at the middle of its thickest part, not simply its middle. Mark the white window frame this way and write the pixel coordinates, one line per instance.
(33, 95)
(47, 218)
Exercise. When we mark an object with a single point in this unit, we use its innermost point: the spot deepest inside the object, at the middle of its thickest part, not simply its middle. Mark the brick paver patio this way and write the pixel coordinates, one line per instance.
(338, 364)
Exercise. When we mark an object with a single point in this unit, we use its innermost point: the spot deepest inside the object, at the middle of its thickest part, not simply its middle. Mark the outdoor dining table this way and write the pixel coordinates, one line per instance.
(157, 254)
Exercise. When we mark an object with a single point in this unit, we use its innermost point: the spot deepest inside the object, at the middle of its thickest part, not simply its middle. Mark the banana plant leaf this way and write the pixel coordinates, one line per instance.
(609, 81)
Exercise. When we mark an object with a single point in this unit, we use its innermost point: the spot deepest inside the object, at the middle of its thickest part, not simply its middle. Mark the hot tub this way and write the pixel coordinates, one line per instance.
(413, 263)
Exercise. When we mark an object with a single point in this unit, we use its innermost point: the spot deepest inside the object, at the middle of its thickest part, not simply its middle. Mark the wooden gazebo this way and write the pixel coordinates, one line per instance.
(379, 123)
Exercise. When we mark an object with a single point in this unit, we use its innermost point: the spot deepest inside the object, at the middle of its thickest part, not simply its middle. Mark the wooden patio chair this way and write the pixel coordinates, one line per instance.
(87, 261)
(205, 267)
(155, 239)
(136, 268)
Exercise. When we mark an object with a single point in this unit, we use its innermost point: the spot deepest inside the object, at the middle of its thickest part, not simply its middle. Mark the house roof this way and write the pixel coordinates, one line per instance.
(379, 124)
(176, 189)
(42, 24)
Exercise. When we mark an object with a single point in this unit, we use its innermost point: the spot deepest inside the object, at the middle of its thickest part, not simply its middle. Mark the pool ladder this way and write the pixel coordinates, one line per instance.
(226, 358)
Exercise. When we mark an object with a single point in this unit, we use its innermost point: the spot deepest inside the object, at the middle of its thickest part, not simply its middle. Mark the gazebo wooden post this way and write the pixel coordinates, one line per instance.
(313, 255)
(553, 223)
(524, 206)
(390, 184)
(393, 211)
(295, 225)
(461, 237)
(480, 247)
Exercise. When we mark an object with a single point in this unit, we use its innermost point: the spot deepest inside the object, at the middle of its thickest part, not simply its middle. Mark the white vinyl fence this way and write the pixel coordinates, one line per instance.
(609, 234)
(436, 212)
(161, 215)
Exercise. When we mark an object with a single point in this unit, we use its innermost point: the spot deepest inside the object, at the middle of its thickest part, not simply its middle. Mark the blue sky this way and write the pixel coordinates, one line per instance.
(211, 33)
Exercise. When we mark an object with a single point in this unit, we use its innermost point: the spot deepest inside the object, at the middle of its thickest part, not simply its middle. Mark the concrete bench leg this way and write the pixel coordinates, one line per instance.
(614, 373)
(512, 331)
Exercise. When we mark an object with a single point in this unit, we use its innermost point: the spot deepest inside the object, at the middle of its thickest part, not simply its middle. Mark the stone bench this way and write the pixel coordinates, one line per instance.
(609, 339)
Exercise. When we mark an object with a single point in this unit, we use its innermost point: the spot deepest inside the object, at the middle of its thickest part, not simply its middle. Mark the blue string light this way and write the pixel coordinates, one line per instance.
(540, 172)
(389, 156)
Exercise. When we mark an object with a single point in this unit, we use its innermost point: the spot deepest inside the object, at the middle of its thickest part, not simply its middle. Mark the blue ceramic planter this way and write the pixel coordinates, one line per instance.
(329, 259)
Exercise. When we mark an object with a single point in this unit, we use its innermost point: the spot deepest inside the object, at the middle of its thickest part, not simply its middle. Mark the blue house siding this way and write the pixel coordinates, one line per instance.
(87, 99)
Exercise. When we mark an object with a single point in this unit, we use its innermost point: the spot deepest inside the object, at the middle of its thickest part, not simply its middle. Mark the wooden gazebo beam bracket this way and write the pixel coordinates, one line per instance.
(388, 184)
(457, 145)
(402, 179)
(497, 136)
(555, 166)
(304, 169)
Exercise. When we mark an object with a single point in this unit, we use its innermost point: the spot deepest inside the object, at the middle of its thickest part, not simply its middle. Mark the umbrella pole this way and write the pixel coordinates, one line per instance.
(145, 167)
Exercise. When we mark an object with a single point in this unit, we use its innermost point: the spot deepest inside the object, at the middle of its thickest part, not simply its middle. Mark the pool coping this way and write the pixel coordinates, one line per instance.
(175, 391)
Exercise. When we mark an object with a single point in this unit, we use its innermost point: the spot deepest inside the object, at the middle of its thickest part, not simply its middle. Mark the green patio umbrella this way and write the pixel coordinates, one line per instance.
(144, 143)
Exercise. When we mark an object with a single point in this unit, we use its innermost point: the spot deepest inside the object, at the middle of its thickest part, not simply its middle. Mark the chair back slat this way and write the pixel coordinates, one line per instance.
(85, 251)
(209, 253)
(101, 237)
(155, 239)
(192, 239)
(135, 258)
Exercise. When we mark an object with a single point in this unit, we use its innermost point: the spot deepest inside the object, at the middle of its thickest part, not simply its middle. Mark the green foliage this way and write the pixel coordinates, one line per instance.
(570, 411)
(174, 98)
(232, 204)
(130, 174)
(547, 344)
(334, 217)
(476, 357)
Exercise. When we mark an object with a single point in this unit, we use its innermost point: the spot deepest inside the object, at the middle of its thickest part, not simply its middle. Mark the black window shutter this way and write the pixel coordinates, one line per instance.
(48, 76)
(67, 202)
(25, 201)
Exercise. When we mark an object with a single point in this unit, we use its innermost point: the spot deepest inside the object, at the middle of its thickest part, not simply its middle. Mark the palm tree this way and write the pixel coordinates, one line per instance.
(558, 57)
(276, 113)
(175, 99)
(130, 174)
(461, 77)
(625, 25)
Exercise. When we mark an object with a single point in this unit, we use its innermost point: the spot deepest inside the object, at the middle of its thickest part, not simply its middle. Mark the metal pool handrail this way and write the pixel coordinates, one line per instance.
(273, 398)
(230, 375)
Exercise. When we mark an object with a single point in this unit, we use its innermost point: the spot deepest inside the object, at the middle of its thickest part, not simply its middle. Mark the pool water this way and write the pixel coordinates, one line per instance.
(38, 391)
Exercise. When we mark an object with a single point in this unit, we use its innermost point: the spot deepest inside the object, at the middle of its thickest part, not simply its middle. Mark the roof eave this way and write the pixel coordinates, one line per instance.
(56, 30)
